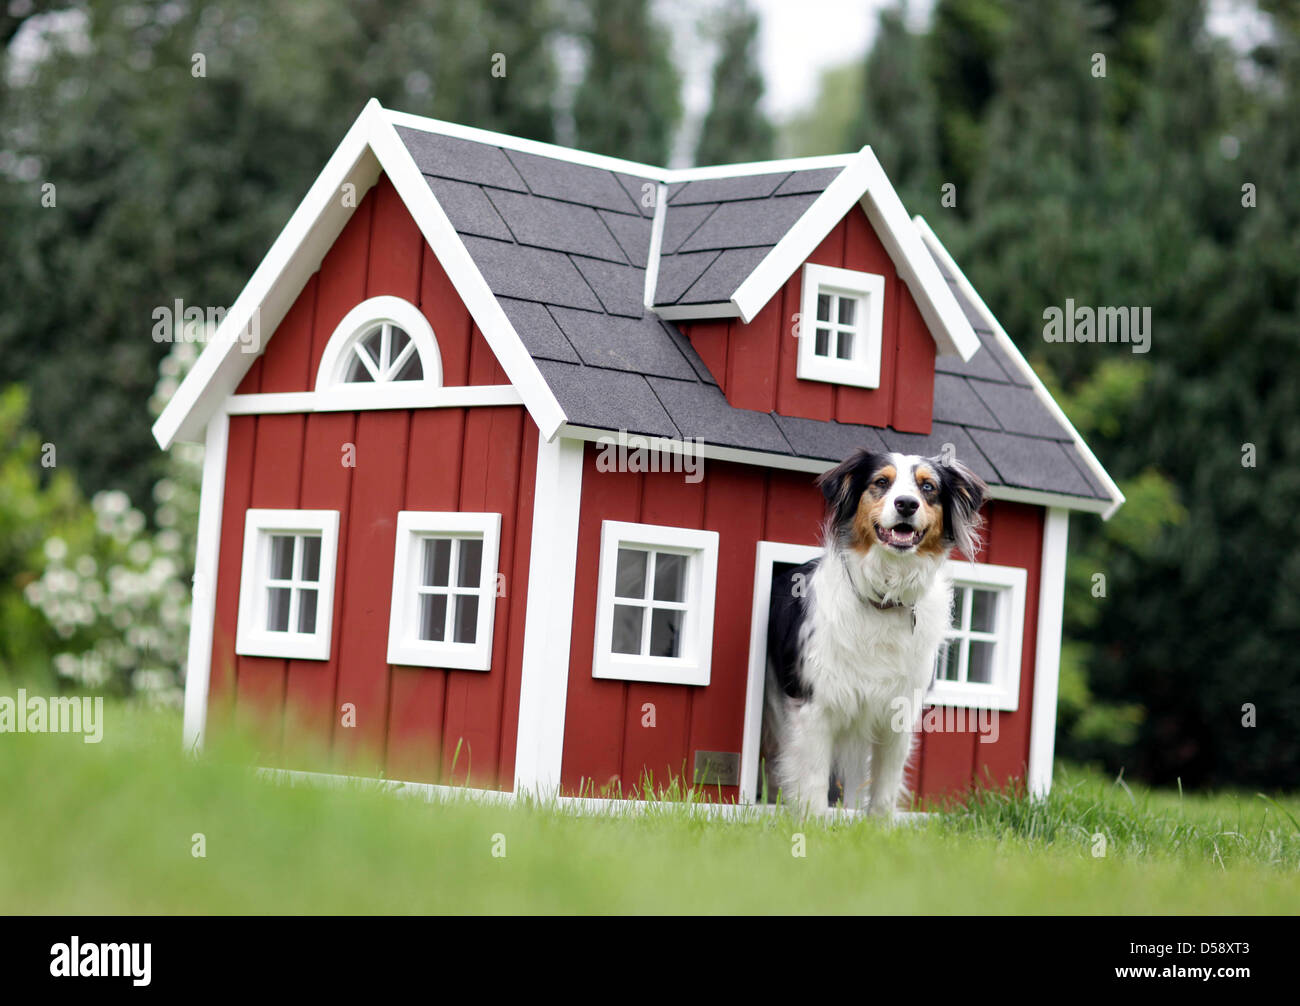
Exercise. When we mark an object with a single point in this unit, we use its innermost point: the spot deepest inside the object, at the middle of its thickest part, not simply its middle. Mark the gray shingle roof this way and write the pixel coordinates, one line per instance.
(564, 247)
(743, 218)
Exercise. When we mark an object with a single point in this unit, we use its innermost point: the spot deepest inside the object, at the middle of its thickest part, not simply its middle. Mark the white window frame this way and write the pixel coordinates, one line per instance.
(693, 666)
(405, 647)
(863, 368)
(360, 321)
(252, 638)
(1003, 692)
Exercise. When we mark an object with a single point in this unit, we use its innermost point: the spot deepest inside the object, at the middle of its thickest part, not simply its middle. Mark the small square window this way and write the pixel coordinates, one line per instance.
(444, 589)
(286, 594)
(979, 663)
(841, 334)
(654, 614)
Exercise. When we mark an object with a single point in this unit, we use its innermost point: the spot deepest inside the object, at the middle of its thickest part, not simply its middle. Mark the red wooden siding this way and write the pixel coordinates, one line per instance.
(756, 364)
(608, 745)
(409, 720)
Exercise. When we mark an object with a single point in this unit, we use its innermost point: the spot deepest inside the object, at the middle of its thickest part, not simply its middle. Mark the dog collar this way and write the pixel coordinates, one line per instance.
(878, 605)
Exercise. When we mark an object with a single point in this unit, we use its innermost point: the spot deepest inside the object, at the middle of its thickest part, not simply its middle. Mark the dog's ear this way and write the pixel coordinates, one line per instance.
(962, 493)
(839, 484)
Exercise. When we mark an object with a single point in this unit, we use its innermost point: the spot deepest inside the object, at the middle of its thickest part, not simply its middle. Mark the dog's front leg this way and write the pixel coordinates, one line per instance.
(806, 765)
(888, 759)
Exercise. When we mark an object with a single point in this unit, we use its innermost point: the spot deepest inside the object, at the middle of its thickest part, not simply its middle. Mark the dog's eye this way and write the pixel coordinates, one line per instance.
(927, 487)
(882, 482)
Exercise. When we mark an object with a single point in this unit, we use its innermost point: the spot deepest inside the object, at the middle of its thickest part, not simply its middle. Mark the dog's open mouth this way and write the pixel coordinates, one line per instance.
(900, 536)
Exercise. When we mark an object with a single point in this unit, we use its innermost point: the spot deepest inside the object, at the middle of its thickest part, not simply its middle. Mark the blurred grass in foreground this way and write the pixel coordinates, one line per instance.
(109, 828)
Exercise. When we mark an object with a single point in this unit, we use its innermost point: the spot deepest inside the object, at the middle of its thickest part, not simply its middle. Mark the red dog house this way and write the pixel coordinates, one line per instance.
(505, 440)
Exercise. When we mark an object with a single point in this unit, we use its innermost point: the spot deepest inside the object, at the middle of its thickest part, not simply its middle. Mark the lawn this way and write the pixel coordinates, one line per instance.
(110, 828)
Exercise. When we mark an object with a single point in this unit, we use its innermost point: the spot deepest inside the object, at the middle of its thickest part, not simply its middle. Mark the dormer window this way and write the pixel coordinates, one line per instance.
(840, 326)
(381, 341)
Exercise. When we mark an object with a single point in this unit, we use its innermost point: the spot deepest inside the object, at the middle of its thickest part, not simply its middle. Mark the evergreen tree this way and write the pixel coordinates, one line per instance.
(897, 113)
(628, 103)
(735, 128)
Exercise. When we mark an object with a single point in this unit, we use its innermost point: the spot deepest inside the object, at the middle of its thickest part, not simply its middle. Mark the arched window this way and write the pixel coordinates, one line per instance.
(382, 340)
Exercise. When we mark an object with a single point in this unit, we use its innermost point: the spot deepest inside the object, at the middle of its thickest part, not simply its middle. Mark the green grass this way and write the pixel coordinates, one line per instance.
(109, 828)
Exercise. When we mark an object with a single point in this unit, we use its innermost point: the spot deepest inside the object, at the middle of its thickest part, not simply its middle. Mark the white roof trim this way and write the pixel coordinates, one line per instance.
(815, 466)
(1012, 351)
(371, 147)
(863, 181)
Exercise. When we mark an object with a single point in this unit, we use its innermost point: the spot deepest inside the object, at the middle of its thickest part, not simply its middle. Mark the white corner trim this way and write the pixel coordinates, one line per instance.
(203, 608)
(693, 664)
(366, 315)
(405, 647)
(548, 623)
(768, 554)
(656, 243)
(252, 638)
(862, 368)
(1012, 351)
(274, 285)
(1047, 652)
(482, 304)
(1003, 693)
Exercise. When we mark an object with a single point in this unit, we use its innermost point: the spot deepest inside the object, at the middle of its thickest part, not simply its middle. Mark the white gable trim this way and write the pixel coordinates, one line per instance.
(863, 181)
(1010, 348)
(370, 147)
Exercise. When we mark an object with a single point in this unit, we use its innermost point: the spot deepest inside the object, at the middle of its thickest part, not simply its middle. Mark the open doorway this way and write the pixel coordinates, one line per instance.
(771, 559)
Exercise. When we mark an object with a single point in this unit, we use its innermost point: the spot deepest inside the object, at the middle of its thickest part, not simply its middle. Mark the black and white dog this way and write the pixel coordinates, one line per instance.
(859, 628)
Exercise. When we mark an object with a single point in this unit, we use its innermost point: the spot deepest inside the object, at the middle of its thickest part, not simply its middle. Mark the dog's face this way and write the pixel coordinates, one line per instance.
(904, 503)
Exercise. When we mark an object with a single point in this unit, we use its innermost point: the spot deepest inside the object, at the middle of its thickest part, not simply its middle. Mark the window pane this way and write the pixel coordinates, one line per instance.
(356, 372)
(670, 577)
(980, 668)
(665, 633)
(307, 611)
(627, 628)
(373, 344)
(823, 344)
(954, 614)
(282, 556)
(984, 606)
(398, 340)
(848, 310)
(470, 563)
(411, 369)
(949, 656)
(845, 348)
(310, 558)
(433, 617)
(629, 579)
(277, 612)
(437, 562)
(823, 307)
(466, 617)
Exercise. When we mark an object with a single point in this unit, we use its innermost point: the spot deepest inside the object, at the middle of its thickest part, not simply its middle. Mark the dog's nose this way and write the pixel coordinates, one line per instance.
(906, 505)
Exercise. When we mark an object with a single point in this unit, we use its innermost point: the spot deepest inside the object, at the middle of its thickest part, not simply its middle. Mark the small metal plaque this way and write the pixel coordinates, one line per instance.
(717, 768)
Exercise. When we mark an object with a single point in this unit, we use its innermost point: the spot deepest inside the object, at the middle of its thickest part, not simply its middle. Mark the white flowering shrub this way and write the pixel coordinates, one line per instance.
(118, 597)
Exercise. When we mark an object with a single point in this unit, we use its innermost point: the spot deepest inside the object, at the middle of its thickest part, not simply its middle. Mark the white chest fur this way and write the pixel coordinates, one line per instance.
(857, 658)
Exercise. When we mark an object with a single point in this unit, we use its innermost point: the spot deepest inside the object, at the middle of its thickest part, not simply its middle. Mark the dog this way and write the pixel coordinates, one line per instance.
(858, 629)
